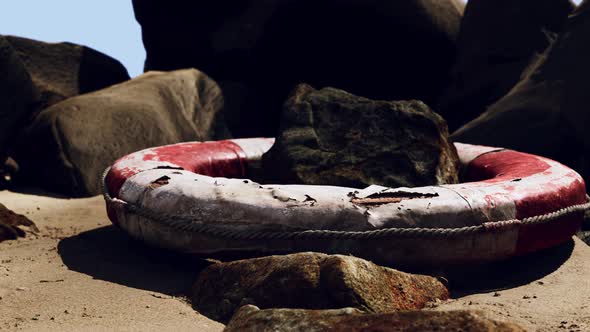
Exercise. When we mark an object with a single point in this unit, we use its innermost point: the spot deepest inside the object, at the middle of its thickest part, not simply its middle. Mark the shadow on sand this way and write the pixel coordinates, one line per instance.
(510, 273)
(30, 190)
(109, 254)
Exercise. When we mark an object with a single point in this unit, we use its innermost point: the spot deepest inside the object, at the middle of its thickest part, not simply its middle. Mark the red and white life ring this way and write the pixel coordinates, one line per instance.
(193, 197)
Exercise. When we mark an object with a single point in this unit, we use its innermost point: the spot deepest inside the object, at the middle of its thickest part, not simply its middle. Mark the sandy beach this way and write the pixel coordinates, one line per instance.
(80, 273)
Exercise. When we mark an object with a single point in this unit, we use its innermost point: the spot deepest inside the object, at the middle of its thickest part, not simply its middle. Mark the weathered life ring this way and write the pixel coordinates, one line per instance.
(192, 197)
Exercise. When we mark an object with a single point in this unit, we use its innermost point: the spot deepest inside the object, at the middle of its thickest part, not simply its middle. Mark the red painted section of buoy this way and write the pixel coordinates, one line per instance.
(508, 166)
(221, 158)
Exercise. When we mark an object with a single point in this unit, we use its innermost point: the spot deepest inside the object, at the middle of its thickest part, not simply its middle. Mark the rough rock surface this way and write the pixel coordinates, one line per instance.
(584, 233)
(251, 318)
(547, 112)
(14, 225)
(310, 281)
(497, 41)
(331, 137)
(75, 140)
(63, 70)
(259, 50)
(17, 95)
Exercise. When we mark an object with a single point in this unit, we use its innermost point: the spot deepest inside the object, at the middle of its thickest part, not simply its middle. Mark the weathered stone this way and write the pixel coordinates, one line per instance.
(310, 281)
(547, 112)
(14, 225)
(258, 50)
(331, 137)
(497, 41)
(8, 170)
(63, 70)
(251, 318)
(18, 95)
(584, 233)
(71, 143)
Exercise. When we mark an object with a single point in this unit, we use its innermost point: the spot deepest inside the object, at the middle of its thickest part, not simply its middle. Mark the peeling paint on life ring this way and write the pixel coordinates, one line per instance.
(203, 184)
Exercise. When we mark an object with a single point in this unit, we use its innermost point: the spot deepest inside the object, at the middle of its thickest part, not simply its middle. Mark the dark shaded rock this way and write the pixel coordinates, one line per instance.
(259, 50)
(310, 281)
(331, 137)
(497, 41)
(69, 144)
(250, 318)
(584, 236)
(14, 225)
(584, 233)
(547, 112)
(18, 95)
(8, 170)
(63, 70)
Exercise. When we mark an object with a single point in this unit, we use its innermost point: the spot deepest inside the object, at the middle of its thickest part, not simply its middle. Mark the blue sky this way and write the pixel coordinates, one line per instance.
(106, 25)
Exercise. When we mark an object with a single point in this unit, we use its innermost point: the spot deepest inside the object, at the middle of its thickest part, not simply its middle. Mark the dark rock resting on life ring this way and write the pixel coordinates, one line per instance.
(193, 197)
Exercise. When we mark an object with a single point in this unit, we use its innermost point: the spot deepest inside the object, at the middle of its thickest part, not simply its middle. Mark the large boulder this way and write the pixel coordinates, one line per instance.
(310, 281)
(69, 144)
(18, 96)
(497, 41)
(548, 111)
(63, 70)
(258, 50)
(250, 318)
(331, 137)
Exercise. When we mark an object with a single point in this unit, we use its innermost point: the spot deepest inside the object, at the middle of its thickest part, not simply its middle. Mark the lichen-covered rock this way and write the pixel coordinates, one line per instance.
(14, 225)
(547, 112)
(250, 318)
(258, 50)
(331, 137)
(310, 281)
(497, 41)
(70, 144)
(63, 70)
(18, 95)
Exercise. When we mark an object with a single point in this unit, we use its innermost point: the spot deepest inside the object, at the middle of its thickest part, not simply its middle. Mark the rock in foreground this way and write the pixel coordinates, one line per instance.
(250, 318)
(259, 50)
(310, 281)
(14, 225)
(75, 140)
(331, 137)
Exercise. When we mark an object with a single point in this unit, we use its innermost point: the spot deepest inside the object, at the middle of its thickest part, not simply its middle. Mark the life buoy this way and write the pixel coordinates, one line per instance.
(193, 197)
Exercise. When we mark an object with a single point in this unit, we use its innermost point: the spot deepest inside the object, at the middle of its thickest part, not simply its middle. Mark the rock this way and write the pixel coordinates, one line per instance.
(310, 281)
(331, 137)
(584, 236)
(547, 112)
(8, 170)
(75, 140)
(63, 70)
(259, 50)
(584, 232)
(251, 318)
(14, 225)
(497, 41)
(17, 95)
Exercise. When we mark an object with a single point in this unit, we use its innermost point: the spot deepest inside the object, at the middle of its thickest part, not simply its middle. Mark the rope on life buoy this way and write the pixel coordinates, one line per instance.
(191, 225)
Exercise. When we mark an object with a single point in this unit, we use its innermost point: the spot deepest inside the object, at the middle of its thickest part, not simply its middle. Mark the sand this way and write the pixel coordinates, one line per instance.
(80, 273)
